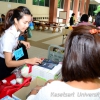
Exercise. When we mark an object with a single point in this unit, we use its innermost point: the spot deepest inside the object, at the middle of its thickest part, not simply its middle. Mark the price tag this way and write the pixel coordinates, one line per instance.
(18, 53)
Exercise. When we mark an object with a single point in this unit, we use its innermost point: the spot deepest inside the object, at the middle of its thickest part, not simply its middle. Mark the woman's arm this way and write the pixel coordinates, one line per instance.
(35, 90)
(42, 95)
(27, 44)
(11, 63)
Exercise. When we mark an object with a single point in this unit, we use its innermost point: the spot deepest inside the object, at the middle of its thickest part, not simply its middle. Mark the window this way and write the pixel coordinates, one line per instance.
(60, 3)
(71, 4)
(15, 1)
(3, 0)
(92, 7)
(47, 3)
(22, 1)
(35, 2)
(41, 2)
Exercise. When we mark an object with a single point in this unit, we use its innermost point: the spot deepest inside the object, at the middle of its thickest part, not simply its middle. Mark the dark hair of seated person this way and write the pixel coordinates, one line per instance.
(84, 18)
(82, 55)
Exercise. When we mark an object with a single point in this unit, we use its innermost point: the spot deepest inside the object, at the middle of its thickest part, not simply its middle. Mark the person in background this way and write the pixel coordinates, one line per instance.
(97, 20)
(72, 19)
(23, 36)
(29, 30)
(84, 20)
(16, 22)
(80, 69)
(3, 18)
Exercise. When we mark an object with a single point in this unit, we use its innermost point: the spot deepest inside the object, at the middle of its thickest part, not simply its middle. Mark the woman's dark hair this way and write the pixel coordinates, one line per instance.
(97, 19)
(73, 14)
(82, 55)
(84, 18)
(17, 13)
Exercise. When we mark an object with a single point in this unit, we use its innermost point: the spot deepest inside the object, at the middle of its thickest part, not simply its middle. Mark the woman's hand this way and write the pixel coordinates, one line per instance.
(35, 90)
(27, 44)
(49, 81)
(34, 61)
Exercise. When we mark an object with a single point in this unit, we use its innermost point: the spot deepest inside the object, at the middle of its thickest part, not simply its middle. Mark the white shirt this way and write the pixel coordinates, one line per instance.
(9, 40)
(57, 90)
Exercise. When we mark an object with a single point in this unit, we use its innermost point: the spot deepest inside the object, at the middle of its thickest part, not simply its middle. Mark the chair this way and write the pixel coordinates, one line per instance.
(65, 33)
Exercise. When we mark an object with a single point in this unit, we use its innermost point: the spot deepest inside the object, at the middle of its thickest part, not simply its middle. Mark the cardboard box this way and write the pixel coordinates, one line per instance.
(45, 73)
(23, 92)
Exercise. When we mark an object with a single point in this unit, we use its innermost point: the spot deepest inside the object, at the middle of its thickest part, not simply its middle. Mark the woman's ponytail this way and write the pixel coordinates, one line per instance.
(9, 19)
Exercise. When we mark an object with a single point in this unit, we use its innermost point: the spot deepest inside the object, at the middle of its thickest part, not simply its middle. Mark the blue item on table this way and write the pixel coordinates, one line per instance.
(49, 64)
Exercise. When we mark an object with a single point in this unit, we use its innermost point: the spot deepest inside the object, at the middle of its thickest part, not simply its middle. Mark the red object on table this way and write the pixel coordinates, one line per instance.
(30, 67)
(9, 89)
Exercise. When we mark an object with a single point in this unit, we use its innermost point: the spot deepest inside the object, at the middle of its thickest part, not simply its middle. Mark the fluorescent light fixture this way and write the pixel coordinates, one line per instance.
(98, 1)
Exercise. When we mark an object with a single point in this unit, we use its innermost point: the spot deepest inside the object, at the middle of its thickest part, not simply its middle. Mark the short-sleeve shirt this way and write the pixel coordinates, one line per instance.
(9, 40)
(57, 90)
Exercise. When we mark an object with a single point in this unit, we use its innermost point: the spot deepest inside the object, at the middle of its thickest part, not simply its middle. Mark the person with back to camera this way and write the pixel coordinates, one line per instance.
(97, 20)
(84, 20)
(16, 22)
(72, 19)
(80, 69)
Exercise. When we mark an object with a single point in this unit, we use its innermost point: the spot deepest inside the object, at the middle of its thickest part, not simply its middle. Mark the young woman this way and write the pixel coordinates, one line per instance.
(80, 69)
(16, 22)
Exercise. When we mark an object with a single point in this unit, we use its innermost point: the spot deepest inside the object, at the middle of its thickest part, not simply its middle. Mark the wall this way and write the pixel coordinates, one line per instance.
(37, 11)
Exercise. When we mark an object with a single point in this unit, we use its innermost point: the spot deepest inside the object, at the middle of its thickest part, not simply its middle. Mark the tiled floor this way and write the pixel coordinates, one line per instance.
(40, 42)
(37, 52)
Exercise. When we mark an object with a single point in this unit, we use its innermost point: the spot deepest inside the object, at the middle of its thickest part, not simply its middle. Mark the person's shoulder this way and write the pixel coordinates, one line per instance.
(57, 83)
(11, 29)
